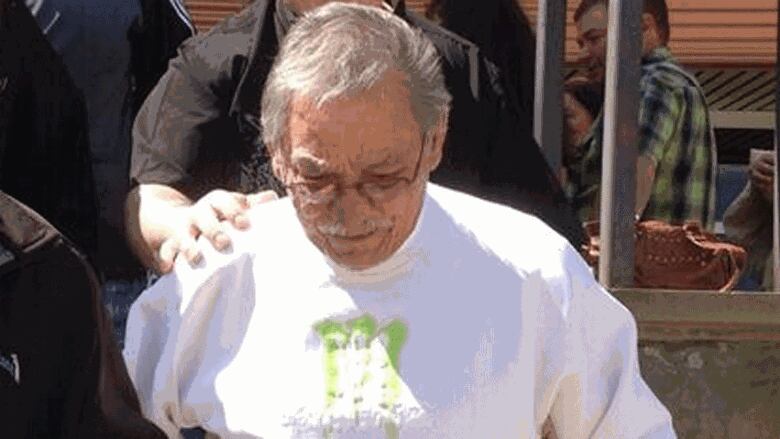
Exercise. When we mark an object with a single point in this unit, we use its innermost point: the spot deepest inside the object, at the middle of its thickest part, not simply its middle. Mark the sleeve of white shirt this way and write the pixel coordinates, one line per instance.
(602, 393)
(150, 342)
(182, 328)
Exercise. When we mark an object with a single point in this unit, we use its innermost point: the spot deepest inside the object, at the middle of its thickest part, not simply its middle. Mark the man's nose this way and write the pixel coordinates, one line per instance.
(350, 205)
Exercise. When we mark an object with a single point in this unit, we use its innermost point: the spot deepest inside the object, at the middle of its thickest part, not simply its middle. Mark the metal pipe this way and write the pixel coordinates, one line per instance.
(776, 197)
(548, 99)
(618, 177)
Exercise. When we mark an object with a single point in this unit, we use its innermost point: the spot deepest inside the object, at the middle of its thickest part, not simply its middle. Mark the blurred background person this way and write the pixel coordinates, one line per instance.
(45, 158)
(748, 220)
(115, 51)
(676, 165)
(503, 33)
(582, 103)
(60, 373)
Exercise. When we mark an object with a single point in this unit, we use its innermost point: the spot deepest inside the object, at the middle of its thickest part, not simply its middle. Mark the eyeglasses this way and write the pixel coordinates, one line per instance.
(377, 190)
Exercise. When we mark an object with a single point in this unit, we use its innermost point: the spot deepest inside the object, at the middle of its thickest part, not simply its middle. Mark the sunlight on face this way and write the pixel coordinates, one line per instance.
(355, 172)
(592, 40)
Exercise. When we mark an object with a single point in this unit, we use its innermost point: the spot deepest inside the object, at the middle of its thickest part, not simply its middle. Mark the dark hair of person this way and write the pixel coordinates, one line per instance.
(588, 94)
(4, 5)
(657, 8)
(503, 33)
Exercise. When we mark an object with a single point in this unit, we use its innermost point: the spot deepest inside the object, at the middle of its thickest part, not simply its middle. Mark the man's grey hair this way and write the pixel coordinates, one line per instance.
(342, 49)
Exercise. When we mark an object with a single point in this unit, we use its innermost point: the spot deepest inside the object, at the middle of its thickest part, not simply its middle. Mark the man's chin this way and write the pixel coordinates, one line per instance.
(357, 253)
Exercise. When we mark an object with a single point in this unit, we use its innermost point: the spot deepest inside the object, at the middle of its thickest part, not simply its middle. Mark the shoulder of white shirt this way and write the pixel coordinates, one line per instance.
(501, 225)
(267, 221)
(521, 240)
(510, 233)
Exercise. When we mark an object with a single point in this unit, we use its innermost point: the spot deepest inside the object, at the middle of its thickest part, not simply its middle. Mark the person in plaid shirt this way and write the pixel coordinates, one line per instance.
(677, 155)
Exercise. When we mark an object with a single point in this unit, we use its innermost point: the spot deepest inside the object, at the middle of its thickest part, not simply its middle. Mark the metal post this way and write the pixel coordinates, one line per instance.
(776, 198)
(548, 116)
(618, 177)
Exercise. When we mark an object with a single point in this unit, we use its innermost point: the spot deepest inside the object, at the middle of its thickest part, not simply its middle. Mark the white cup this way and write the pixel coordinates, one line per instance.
(755, 154)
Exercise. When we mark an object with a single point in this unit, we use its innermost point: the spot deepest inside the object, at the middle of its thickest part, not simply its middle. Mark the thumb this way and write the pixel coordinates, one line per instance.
(166, 256)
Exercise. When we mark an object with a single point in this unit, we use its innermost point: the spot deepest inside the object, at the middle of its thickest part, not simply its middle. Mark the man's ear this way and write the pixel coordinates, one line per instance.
(651, 34)
(651, 30)
(434, 142)
(648, 22)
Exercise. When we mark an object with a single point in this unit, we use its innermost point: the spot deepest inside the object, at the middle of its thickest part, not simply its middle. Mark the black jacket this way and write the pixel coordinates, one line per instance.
(61, 374)
(154, 37)
(44, 145)
(199, 128)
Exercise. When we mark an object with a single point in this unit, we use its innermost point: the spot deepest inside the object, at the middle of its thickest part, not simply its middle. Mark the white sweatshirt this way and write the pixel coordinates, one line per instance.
(482, 325)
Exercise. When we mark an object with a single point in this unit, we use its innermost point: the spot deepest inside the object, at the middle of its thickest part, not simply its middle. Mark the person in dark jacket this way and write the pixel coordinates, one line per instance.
(199, 131)
(91, 38)
(502, 31)
(154, 36)
(61, 374)
(44, 142)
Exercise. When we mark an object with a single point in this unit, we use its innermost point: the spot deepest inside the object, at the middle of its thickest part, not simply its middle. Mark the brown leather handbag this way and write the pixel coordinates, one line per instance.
(678, 257)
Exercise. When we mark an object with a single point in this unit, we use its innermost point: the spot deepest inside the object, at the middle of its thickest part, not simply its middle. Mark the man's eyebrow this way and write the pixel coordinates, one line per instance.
(307, 162)
(388, 161)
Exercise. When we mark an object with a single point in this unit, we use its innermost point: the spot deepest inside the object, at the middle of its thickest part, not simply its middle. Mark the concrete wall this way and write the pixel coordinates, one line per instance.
(717, 389)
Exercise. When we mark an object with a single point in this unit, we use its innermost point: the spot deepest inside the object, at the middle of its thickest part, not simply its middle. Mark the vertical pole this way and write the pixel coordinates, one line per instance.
(776, 198)
(548, 113)
(618, 178)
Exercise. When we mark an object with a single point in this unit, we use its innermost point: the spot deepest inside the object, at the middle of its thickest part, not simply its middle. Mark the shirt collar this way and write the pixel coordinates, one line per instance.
(658, 55)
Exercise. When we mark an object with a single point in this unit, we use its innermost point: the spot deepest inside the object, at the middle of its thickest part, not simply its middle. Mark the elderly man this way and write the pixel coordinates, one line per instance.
(197, 148)
(372, 303)
(677, 156)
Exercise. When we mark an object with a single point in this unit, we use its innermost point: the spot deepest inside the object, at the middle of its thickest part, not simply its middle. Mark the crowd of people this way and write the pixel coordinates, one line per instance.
(337, 209)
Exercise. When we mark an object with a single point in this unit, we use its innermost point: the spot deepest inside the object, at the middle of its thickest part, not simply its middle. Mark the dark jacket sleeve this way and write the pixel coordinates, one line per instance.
(45, 158)
(183, 135)
(76, 206)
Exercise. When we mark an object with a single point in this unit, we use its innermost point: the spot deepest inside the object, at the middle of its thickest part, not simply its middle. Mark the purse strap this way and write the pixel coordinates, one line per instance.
(734, 276)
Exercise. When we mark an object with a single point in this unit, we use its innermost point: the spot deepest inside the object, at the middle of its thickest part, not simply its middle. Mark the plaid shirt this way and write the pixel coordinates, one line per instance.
(675, 132)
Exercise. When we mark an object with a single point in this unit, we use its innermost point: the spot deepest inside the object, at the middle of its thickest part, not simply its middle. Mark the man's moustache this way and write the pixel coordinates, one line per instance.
(369, 226)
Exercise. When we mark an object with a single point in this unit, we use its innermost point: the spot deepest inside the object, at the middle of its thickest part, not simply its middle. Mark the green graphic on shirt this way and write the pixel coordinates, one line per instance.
(358, 335)
(334, 338)
(396, 337)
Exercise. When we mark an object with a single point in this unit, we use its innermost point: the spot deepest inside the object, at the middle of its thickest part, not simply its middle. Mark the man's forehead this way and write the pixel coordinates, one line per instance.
(316, 156)
(594, 18)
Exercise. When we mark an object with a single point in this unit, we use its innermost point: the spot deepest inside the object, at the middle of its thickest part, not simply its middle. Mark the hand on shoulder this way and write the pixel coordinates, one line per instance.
(210, 217)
